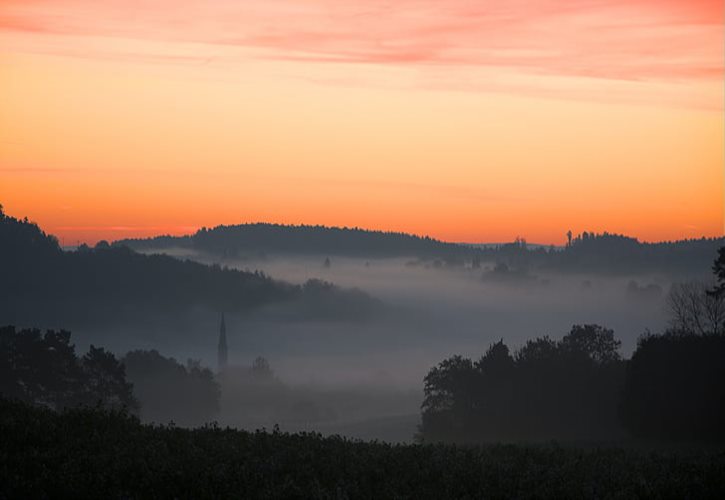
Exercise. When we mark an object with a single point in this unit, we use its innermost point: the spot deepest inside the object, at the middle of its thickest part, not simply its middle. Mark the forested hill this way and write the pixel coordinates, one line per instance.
(103, 282)
(303, 240)
(615, 254)
(587, 252)
(591, 252)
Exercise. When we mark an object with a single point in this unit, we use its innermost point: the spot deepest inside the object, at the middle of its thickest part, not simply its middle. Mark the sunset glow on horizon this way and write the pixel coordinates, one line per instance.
(465, 121)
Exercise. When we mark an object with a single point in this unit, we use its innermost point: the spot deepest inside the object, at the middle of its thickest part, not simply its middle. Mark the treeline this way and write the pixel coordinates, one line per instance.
(169, 391)
(675, 388)
(92, 453)
(262, 238)
(104, 283)
(578, 389)
(566, 389)
(590, 252)
(587, 252)
(43, 369)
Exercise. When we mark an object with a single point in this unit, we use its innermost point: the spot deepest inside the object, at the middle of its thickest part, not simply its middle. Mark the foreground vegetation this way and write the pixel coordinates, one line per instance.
(96, 453)
(579, 388)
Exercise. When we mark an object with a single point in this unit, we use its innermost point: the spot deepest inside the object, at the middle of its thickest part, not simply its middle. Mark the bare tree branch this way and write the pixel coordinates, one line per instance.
(692, 310)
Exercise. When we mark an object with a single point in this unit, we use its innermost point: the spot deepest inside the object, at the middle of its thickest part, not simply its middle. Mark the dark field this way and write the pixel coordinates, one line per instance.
(96, 454)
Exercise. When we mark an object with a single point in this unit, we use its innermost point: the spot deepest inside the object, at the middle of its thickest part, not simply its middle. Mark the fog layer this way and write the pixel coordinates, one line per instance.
(364, 378)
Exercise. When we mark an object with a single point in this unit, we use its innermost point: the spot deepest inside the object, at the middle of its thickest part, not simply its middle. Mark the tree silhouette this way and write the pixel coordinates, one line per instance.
(719, 270)
(674, 387)
(105, 380)
(449, 399)
(261, 369)
(168, 390)
(594, 342)
(694, 311)
(44, 370)
(565, 389)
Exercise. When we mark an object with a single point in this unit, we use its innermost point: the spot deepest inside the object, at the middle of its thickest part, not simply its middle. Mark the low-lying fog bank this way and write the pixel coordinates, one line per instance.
(364, 379)
(433, 312)
(430, 314)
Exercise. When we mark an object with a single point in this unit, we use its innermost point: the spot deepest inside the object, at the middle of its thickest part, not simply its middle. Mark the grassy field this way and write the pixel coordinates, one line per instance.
(95, 454)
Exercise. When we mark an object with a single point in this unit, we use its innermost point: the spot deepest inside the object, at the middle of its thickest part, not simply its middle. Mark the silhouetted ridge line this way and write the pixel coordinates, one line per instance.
(303, 239)
(110, 282)
(586, 252)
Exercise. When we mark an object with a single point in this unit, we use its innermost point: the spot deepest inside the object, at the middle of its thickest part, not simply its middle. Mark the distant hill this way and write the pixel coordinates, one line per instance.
(607, 253)
(96, 284)
(591, 252)
(586, 253)
(262, 238)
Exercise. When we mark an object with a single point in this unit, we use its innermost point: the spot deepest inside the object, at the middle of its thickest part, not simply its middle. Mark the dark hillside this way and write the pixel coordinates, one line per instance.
(586, 253)
(303, 240)
(109, 282)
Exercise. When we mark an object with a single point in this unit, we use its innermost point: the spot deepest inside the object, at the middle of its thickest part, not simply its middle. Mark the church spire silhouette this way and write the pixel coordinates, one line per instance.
(222, 348)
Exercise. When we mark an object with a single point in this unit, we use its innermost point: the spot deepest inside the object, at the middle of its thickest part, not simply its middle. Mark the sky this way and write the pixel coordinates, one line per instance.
(474, 121)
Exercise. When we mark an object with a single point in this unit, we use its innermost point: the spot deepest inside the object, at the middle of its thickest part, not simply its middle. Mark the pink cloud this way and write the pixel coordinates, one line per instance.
(615, 39)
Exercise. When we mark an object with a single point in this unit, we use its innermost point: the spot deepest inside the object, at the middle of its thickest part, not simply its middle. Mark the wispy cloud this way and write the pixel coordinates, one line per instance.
(611, 39)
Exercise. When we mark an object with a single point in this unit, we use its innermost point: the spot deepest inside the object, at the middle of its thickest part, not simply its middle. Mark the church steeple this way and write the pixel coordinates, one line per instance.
(222, 348)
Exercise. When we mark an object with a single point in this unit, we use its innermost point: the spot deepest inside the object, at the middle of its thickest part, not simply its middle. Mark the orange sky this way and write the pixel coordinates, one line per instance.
(468, 121)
